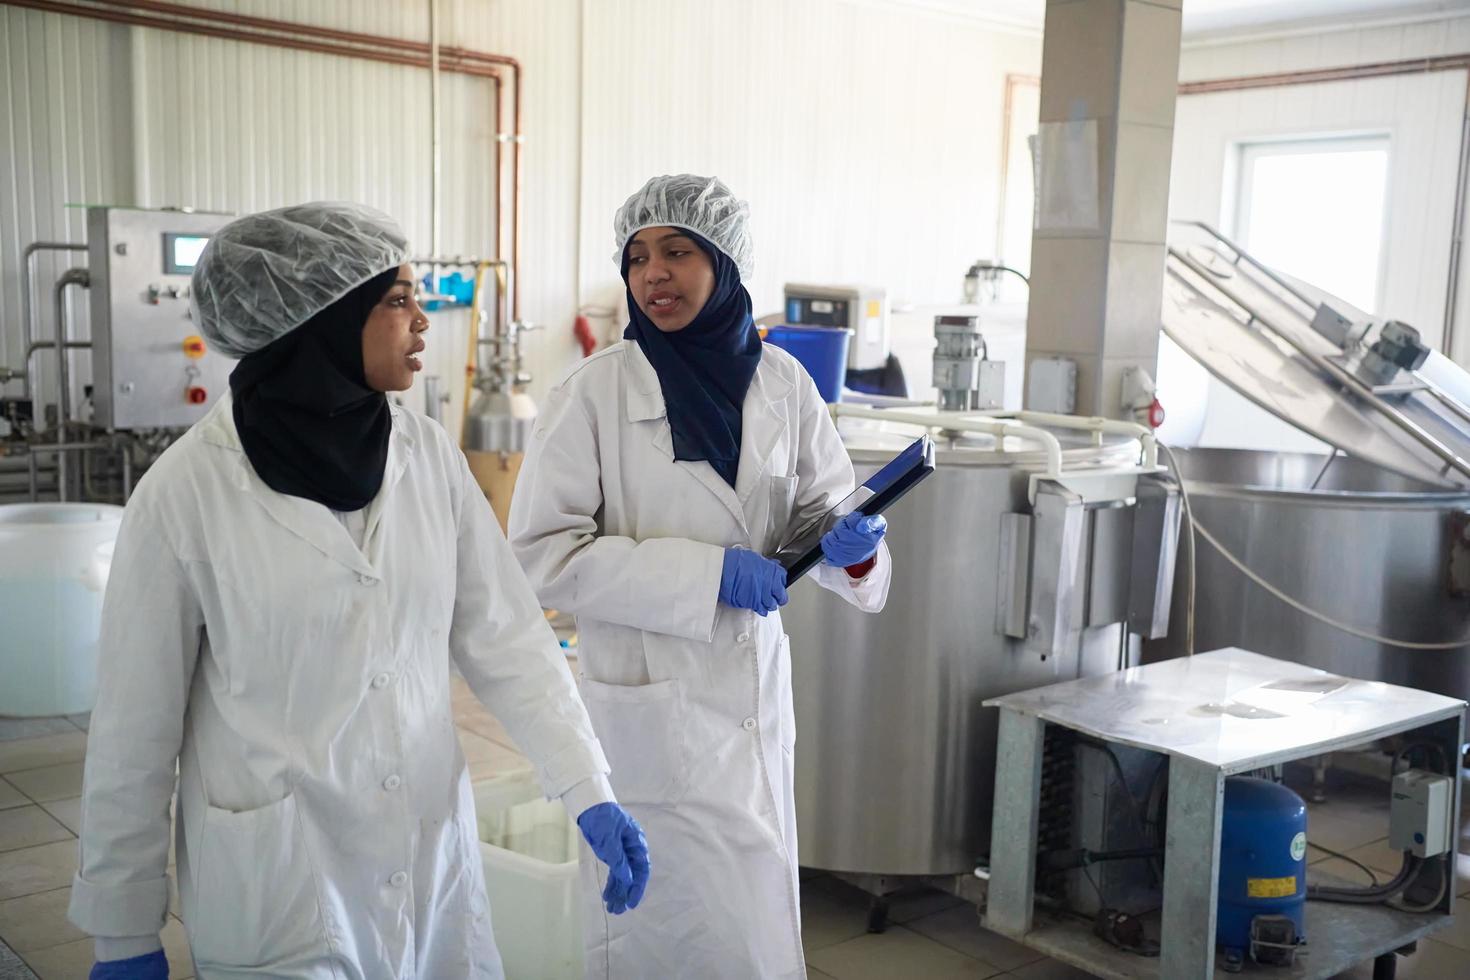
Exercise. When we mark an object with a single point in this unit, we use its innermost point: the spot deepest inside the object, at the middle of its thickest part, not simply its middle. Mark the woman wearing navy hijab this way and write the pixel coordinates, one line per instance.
(661, 473)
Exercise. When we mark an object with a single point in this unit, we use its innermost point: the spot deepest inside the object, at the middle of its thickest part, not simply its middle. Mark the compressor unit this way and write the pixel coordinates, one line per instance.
(1263, 873)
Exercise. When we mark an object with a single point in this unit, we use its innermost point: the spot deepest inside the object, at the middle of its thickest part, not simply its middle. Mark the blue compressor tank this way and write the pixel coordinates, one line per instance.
(1263, 861)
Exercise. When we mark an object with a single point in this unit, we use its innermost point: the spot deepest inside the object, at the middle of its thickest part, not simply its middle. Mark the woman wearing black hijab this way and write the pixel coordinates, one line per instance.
(662, 471)
(291, 582)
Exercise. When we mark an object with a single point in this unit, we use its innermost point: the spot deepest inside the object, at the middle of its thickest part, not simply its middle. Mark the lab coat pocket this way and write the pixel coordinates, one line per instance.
(255, 903)
(642, 730)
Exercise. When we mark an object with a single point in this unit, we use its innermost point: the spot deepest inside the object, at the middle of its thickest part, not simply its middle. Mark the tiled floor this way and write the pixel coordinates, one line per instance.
(40, 785)
(931, 935)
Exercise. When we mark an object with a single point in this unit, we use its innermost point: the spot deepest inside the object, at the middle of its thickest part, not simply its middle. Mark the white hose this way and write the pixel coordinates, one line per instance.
(999, 428)
(1193, 551)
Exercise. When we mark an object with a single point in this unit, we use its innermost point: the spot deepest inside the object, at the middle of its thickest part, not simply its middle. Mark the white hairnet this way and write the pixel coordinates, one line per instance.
(263, 275)
(703, 205)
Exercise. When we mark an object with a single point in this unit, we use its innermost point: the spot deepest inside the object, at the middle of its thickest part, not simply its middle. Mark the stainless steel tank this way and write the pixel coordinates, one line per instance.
(895, 754)
(1364, 546)
(1372, 534)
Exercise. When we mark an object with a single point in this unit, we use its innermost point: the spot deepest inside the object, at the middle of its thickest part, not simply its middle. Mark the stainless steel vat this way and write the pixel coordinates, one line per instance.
(1365, 546)
(895, 755)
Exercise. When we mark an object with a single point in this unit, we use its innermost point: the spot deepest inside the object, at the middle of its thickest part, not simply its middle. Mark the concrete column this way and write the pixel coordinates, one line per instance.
(1109, 75)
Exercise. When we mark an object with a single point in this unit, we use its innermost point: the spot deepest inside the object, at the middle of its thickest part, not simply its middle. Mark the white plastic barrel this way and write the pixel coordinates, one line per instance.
(54, 563)
(528, 846)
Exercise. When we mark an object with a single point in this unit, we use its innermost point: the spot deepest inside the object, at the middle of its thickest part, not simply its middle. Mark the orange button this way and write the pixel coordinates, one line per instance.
(196, 395)
(194, 347)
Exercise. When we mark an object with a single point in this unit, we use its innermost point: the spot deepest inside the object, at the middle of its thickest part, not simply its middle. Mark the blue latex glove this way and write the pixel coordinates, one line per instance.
(752, 581)
(854, 540)
(152, 966)
(618, 842)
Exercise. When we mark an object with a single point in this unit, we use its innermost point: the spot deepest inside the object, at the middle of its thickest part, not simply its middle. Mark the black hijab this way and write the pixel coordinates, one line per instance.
(705, 369)
(308, 421)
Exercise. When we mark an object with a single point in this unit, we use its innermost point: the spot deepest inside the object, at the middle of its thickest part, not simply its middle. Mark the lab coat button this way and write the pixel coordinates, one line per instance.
(381, 681)
(367, 580)
(748, 724)
(742, 638)
(398, 880)
(392, 782)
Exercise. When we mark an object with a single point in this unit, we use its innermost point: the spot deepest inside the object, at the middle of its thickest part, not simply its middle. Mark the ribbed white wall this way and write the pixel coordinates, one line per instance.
(546, 35)
(867, 136)
(99, 113)
(1421, 113)
(64, 111)
(1421, 116)
(1319, 48)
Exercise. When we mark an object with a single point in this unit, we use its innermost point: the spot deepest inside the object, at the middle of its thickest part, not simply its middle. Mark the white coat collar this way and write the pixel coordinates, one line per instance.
(308, 519)
(761, 425)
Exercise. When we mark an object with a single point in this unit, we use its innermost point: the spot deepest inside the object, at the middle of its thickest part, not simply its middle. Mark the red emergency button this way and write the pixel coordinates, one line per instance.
(194, 347)
(1155, 414)
(196, 395)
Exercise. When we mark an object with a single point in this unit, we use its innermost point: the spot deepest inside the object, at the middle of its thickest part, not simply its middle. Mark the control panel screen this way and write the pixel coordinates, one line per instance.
(817, 312)
(181, 252)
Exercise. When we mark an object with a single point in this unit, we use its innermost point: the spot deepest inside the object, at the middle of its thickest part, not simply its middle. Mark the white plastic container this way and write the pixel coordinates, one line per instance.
(529, 848)
(54, 562)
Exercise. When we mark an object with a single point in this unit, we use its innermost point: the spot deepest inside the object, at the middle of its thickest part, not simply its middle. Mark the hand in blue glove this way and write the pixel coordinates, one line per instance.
(618, 842)
(752, 581)
(152, 966)
(854, 540)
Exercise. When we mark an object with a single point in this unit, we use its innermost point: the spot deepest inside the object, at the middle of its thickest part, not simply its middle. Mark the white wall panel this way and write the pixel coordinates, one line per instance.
(1325, 48)
(867, 139)
(867, 136)
(1422, 116)
(64, 110)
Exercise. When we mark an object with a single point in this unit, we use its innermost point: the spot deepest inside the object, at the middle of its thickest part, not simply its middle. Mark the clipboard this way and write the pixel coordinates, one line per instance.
(802, 549)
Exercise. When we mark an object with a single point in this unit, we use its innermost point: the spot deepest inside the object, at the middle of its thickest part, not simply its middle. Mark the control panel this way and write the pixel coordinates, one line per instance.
(1419, 813)
(151, 366)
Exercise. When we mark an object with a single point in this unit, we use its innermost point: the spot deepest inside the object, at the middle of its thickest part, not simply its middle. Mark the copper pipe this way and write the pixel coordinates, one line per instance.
(500, 121)
(229, 34)
(370, 47)
(463, 60)
(1381, 69)
(311, 30)
(515, 218)
(487, 57)
(264, 23)
(518, 136)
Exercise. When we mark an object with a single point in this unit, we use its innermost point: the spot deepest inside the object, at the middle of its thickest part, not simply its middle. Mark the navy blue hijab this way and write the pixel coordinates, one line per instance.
(705, 369)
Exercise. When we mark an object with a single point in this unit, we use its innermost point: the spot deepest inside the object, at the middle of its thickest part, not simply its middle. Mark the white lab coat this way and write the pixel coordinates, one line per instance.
(326, 824)
(691, 699)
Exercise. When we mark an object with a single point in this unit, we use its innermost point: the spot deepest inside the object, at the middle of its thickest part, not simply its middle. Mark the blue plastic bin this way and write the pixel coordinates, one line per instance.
(821, 350)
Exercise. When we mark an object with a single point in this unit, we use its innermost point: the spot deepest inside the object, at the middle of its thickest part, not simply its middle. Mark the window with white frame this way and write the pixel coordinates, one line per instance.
(1314, 209)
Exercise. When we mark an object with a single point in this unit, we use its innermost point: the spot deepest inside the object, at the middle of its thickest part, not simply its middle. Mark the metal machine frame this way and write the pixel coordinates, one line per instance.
(1120, 712)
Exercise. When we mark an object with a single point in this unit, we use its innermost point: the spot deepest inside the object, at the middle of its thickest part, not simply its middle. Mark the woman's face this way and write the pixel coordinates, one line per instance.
(670, 277)
(391, 336)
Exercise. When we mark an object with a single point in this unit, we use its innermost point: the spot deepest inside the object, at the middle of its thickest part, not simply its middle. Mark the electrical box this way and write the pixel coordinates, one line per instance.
(1419, 813)
(1051, 385)
(990, 393)
(151, 367)
(861, 309)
